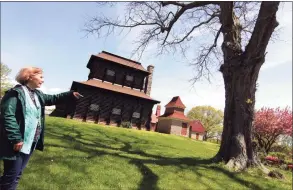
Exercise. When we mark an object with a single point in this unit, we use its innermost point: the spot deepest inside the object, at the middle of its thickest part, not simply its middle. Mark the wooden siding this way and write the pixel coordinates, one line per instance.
(85, 109)
(98, 69)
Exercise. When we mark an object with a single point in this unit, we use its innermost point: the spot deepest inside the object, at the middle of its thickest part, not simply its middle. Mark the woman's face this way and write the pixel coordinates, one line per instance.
(36, 80)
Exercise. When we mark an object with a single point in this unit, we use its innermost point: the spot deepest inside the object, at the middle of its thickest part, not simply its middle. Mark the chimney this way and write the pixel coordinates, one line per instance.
(158, 111)
(149, 79)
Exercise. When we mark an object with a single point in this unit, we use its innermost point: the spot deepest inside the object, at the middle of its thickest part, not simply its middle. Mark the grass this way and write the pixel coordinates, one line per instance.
(88, 156)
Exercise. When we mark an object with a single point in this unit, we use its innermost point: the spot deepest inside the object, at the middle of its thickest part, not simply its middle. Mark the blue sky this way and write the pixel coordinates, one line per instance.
(49, 35)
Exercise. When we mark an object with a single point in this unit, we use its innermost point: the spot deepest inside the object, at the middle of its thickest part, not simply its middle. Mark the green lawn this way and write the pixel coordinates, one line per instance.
(88, 156)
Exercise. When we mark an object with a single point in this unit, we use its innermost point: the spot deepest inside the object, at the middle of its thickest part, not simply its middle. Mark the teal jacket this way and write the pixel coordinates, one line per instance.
(12, 118)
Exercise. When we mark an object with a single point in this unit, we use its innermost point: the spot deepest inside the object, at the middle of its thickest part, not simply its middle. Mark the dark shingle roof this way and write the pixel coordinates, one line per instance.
(175, 102)
(121, 60)
(117, 88)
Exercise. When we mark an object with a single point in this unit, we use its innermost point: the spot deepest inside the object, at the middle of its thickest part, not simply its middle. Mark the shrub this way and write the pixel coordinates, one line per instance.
(282, 148)
(286, 158)
(279, 155)
(288, 161)
(272, 159)
(126, 124)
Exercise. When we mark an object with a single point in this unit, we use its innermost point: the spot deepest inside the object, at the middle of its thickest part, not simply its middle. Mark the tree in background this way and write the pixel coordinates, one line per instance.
(5, 83)
(246, 29)
(269, 124)
(211, 118)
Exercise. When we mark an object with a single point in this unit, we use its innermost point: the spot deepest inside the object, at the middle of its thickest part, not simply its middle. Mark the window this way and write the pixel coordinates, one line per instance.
(136, 115)
(110, 72)
(116, 111)
(94, 107)
(129, 78)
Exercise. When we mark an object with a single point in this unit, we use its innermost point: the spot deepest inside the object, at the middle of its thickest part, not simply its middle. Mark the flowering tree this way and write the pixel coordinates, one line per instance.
(4, 81)
(269, 124)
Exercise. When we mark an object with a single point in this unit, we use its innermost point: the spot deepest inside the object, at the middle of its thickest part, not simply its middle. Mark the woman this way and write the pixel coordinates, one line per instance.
(22, 123)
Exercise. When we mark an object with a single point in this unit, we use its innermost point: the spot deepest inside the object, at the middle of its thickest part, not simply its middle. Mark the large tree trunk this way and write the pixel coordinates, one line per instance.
(240, 87)
(240, 72)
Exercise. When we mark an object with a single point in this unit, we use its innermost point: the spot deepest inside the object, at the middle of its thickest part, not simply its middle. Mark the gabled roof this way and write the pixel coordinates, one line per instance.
(117, 88)
(175, 102)
(175, 115)
(121, 60)
(196, 126)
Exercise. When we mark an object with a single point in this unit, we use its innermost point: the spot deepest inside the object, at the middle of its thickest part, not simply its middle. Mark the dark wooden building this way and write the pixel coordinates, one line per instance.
(117, 90)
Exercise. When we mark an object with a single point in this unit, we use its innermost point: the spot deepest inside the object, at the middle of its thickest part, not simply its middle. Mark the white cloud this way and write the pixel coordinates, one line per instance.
(165, 88)
(14, 82)
(46, 90)
(43, 89)
(55, 90)
(50, 107)
(284, 14)
(271, 64)
(278, 96)
(280, 50)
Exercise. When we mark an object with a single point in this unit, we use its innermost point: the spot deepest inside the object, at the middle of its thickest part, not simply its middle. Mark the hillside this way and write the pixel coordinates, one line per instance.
(88, 156)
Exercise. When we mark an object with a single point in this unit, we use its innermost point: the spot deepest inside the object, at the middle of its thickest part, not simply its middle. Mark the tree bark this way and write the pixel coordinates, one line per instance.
(240, 72)
(240, 87)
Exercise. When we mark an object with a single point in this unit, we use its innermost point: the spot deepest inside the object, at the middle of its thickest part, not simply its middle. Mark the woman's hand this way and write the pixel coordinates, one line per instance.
(77, 95)
(17, 146)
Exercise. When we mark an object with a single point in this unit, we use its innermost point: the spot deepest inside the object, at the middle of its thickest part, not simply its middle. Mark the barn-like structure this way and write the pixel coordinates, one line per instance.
(117, 90)
(196, 130)
(173, 121)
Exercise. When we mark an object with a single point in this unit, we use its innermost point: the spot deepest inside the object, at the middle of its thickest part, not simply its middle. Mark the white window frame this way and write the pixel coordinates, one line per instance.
(116, 111)
(136, 115)
(110, 72)
(129, 78)
(94, 107)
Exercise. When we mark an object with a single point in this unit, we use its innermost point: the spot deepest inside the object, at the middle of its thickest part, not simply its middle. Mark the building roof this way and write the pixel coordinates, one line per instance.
(196, 126)
(117, 88)
(121, 60)
(175, 115)
(175, 102)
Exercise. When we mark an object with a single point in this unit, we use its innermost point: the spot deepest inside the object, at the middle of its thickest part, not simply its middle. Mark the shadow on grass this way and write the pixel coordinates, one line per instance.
(95, 148)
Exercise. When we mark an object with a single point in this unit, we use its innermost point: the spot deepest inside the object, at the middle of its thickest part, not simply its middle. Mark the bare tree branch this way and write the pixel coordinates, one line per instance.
(190, 5)
(180, 13)
(148, 36)
(263, 29)
(202, 61)
(173, 26)
(193, 28)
